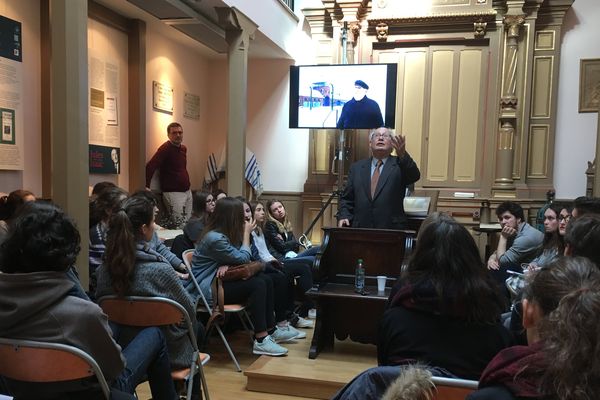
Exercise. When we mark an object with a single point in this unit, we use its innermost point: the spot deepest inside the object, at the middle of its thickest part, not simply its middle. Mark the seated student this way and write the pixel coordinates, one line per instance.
(553, 245)
(280, 237)
(583, 238)
(586, 205)
(35, 305)
(562, 361)
(106, 202)
(156, 244)
(226, 242)
(132, 267)
(9, 207)
(445, 309)
(219, 194)
(296, 267)
(519, 242)
(203, 204)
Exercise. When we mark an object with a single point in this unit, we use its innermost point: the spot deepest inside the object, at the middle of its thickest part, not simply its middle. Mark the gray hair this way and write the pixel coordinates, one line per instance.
(388, 130)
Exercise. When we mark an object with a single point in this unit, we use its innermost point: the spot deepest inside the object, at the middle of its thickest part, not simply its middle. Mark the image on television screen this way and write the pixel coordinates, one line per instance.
(356, 96)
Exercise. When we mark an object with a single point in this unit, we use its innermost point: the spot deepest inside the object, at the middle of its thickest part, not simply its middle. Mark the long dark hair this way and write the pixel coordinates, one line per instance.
(554, 239)
(199, 205)
(447, 258)
(10, 205)
(228, 219)
(568, 294)
(123, 233)
(42, 238)
(105, 204)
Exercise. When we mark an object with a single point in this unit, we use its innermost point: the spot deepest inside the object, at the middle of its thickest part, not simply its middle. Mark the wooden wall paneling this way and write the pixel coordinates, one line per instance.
(46, 104)
(413, 67)
(440, 115)
(539, 138)
(542, 86)
(467, 141)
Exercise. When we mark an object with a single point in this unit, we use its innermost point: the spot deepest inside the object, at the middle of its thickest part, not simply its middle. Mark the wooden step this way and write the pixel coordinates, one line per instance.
(297, 375)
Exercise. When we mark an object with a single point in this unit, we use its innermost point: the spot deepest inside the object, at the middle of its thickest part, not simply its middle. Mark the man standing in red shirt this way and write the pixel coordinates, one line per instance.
(171, 160)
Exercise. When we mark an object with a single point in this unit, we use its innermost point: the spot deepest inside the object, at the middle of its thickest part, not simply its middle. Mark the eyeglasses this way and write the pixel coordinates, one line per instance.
(210, 200)
(381, 135)
(565, 218)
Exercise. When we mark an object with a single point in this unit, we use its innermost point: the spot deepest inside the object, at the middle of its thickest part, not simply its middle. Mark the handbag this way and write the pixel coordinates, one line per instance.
(234, 273)
(243, 272)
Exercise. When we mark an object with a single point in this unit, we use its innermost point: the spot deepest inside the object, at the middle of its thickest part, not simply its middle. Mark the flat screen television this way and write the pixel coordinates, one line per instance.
(348, 96)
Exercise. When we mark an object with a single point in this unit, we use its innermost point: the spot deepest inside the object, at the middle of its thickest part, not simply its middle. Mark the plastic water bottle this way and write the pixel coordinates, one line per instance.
(359, 278)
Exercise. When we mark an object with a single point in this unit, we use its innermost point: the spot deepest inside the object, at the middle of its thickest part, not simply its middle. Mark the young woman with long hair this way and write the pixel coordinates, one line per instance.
(226, 242)
(203, 204)
(102, 207)
(280, 237)
(296, 267)
(36, 304)
(444, 288)
(561, 305)
(553, 245)
(132, 268)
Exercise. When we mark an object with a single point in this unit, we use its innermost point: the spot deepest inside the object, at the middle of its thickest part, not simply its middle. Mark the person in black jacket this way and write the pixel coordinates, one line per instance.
(360, 112)
(445, 309)
(374, 194)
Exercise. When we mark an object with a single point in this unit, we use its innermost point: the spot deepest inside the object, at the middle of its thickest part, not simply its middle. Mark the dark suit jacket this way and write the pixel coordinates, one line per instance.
(385, 210)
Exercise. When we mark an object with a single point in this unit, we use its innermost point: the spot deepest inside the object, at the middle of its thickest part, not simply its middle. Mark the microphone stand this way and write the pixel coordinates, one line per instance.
(322, 210)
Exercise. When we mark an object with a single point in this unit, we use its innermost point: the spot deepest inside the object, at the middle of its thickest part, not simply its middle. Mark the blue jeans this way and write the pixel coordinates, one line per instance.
(147, 356)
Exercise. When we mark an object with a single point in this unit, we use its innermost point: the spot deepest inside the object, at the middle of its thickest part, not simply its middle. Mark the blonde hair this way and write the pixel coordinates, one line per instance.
(284, 227)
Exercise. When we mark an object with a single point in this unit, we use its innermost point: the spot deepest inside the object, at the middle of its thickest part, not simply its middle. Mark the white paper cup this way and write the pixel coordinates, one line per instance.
(381, 283)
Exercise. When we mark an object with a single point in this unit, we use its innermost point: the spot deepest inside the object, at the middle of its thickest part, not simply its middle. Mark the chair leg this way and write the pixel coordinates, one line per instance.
(248, 326)
(203, 381)
(237, 365)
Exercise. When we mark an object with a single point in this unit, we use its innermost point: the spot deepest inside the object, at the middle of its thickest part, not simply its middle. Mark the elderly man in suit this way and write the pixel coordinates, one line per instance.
(374, 194)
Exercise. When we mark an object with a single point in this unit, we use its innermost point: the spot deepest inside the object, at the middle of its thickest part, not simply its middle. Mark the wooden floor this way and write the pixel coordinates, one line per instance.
(294, 373)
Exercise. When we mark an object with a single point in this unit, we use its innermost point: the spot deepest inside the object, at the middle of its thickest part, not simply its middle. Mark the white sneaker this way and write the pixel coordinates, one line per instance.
(299, 334)
(303, 323)
(312, 313)
(284, 334)
(268, 347)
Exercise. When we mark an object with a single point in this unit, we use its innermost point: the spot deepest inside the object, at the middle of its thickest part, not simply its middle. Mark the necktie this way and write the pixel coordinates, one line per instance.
(375, 177)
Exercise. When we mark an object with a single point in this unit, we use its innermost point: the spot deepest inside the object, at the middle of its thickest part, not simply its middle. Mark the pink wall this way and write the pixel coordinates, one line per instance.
(185, 71)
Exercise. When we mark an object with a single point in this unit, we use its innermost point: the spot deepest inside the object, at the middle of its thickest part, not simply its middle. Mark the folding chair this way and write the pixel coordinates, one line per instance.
(238, 309)
(158, 311)
(32, 361)
(453, 389)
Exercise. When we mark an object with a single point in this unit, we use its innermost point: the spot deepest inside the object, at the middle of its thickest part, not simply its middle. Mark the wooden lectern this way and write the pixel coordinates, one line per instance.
(341, 312)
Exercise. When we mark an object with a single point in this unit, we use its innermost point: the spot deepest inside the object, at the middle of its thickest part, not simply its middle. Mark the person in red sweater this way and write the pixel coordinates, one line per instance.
(171, 160)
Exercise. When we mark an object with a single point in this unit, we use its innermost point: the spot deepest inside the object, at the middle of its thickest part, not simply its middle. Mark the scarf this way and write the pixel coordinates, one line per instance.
(518, 368)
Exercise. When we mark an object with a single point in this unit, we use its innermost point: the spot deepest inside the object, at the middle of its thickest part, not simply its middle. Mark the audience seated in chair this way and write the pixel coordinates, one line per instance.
(226, 242)
(203, 204)
(561, 305)
(445, 309)
(586, 205)
(35, 305)
(10, 206)
(133, 268)
(297, 269)
(519, 242)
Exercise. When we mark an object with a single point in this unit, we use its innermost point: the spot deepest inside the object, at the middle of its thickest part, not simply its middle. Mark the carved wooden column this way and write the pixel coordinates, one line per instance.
(503, 184)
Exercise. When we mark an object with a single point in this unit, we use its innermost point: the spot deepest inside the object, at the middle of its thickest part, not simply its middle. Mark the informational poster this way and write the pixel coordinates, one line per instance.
(105, 160)
(191, 106)
(11, 92)
(103, 77)
(162, 97)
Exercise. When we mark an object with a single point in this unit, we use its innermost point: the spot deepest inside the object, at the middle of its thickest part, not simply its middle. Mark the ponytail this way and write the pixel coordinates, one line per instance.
(123, 234)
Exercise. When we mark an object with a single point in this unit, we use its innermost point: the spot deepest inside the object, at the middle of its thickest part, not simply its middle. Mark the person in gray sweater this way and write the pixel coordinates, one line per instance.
(133, 268)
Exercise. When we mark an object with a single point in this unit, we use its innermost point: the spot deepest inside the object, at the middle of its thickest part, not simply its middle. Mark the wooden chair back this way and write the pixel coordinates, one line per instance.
(33, 361)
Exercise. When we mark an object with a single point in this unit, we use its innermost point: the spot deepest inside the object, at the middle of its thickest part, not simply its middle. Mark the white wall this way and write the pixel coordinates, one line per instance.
(575, 132)
(27, 12)
(185, 71)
